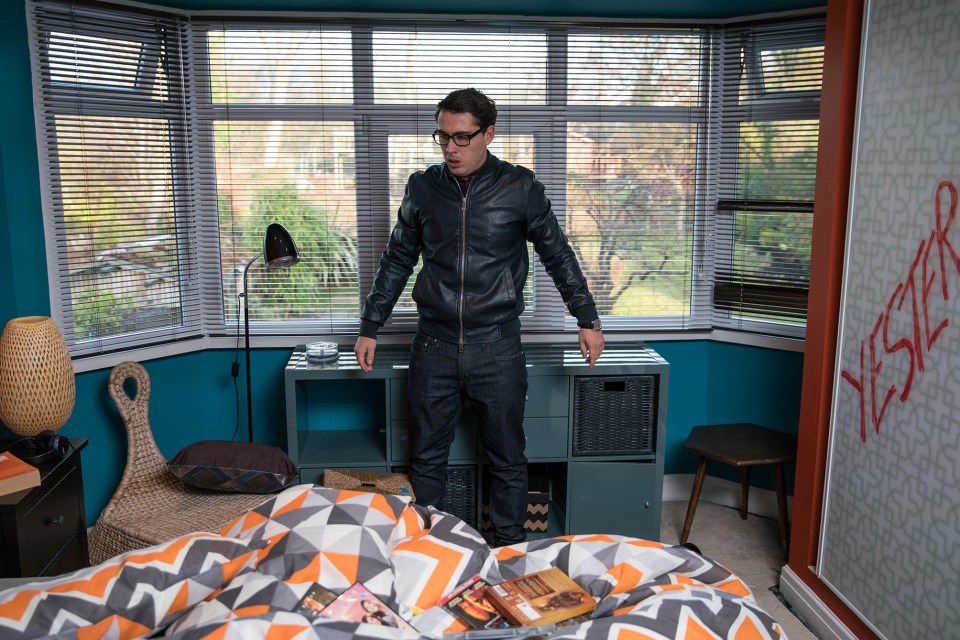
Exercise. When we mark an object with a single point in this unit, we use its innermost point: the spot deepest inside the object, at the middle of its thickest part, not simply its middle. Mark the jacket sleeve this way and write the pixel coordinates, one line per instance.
(557, 256)
(396, 264)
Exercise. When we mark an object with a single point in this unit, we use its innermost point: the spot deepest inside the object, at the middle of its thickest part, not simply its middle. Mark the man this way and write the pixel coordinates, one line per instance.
(470, 219)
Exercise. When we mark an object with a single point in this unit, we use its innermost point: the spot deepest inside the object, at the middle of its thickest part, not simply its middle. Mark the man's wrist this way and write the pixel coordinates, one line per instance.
(368, 329)
(593, 325)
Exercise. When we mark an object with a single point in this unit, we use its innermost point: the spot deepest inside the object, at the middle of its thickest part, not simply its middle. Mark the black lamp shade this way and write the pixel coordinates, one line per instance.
(279, 249)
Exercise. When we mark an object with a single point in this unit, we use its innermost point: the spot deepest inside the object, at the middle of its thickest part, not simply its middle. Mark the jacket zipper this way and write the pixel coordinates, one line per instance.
(461, 298)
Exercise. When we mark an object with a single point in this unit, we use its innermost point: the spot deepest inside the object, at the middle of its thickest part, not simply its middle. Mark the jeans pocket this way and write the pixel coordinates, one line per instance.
(509, 348)
(421, 344)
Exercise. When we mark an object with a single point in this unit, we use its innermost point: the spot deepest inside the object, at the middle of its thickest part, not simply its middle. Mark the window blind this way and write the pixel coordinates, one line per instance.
(609, 119)
(768, 130)
(679, 160)
(113, 145)
(637, 113)
(277, 144)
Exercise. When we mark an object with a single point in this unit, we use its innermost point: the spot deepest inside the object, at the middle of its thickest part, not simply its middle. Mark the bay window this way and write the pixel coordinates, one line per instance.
(678, 158)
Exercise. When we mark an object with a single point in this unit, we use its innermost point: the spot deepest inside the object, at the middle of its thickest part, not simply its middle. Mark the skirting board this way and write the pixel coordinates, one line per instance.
(808, 606)
(763, 502)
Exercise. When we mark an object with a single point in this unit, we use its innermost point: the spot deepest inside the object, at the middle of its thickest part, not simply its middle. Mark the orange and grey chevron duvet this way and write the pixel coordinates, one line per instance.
(245, 582)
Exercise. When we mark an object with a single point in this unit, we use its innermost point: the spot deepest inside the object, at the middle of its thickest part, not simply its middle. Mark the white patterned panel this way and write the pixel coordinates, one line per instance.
(890, 543)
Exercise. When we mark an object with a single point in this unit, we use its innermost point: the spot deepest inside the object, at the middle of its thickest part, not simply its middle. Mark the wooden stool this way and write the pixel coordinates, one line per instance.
(742, 445)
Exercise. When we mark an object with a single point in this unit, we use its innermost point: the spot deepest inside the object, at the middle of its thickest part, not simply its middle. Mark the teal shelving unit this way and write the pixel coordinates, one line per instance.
(595, 436)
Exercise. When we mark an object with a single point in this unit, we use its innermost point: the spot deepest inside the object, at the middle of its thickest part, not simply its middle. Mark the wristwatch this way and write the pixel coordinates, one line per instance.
(593, 324)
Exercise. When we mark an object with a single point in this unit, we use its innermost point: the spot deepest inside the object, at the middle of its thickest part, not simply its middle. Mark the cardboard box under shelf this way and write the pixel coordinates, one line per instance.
(397, 484)
(538, 511)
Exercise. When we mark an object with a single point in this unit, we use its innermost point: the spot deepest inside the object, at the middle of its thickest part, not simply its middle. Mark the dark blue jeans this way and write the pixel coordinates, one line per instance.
(492, 377)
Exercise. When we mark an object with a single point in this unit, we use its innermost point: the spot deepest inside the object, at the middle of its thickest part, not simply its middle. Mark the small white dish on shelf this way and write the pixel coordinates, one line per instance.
(322, 352)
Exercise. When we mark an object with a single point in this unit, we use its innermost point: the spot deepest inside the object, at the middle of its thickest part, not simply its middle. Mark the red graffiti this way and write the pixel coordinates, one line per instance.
(906, 353)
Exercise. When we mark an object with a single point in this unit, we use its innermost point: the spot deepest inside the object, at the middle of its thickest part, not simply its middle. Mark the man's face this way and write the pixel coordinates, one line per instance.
(462, 161)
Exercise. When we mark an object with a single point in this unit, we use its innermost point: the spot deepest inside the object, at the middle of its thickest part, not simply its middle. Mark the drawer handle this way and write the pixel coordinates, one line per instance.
(58, 521)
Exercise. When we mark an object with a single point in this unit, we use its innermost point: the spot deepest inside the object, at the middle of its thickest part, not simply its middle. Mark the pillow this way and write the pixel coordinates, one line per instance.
(239, 467)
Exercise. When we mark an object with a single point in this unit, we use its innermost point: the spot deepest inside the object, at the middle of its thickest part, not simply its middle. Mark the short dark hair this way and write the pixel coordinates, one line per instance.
(472, 101)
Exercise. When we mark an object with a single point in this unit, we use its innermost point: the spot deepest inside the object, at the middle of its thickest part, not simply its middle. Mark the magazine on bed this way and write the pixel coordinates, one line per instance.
(359, 604)
(469, 603)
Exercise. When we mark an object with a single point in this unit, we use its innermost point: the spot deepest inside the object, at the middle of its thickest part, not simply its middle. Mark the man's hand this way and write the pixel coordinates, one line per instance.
(591, 345)
(364, 350)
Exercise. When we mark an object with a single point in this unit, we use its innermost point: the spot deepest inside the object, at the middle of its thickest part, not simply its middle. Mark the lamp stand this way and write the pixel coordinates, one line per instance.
(246, 333)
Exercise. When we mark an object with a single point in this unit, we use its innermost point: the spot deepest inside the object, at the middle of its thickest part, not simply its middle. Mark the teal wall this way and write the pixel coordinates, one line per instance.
(7, 290)
(193, 395)
(23, 268)
(193, 398)
(718, 383)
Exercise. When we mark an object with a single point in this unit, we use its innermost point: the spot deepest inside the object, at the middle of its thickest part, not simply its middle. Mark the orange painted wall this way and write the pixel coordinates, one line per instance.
(837, 120)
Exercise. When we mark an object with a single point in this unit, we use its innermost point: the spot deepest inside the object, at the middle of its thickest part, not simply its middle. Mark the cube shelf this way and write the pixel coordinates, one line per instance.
(596, 435)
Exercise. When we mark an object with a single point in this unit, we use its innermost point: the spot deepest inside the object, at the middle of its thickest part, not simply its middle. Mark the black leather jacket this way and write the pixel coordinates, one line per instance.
(470, 288)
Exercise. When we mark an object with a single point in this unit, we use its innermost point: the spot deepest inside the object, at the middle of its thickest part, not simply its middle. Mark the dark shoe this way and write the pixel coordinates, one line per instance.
(691, 546)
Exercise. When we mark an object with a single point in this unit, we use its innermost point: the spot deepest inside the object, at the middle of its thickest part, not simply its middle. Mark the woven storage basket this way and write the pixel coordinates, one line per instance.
(397, 484)
(614, 415)
(460, 492)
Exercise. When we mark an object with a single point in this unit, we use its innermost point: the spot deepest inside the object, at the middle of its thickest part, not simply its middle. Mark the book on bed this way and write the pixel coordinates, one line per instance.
(540, 598)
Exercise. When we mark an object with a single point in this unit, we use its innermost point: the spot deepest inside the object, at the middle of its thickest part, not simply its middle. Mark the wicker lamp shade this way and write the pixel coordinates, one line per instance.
(37, 385)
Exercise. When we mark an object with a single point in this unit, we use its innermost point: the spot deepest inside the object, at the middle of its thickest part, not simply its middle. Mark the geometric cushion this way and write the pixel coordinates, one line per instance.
(239, 467)
(127, 596)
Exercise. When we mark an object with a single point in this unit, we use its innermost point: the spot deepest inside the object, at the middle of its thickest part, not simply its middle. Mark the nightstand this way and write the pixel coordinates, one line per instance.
(43, 530)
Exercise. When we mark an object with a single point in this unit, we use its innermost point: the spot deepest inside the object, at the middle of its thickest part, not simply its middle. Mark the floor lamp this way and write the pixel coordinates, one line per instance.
(279, 251)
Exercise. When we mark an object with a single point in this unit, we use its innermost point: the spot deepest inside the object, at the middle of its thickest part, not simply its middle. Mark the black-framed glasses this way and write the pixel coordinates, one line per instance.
(459, 139)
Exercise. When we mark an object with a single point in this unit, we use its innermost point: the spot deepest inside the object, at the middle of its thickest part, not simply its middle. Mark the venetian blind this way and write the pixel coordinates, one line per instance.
(679, 160)
(277, 142)
(768, 132)
(636, 170)
(317, 125)
(113, 142)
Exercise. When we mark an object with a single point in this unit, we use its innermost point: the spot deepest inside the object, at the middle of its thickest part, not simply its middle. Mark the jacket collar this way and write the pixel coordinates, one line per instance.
(488, 166)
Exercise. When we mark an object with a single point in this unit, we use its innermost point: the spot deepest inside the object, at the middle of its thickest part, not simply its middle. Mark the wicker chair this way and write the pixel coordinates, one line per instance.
(151, 505)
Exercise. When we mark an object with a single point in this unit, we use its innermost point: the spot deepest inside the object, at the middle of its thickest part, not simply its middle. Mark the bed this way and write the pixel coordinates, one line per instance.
(245, 581)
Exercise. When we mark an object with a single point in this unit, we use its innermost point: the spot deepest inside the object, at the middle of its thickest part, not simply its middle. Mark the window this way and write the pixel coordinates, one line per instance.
(636, 113)
(764, 213)
(678, 158)
(118, 215)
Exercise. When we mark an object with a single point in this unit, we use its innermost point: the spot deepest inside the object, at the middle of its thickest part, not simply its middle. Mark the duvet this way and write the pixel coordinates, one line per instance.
(246, 581)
